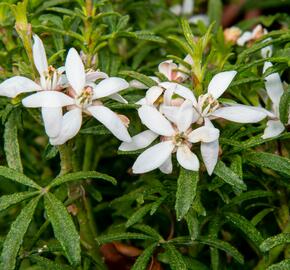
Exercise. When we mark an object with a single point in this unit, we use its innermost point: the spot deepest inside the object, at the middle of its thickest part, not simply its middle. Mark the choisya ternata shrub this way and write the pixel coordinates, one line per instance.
(141, 135)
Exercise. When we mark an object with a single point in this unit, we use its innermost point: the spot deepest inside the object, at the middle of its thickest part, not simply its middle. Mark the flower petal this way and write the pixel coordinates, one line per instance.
(187, 7)
(152, 94)
(95, 75)
(184, 116)
(187, 159)
(155, 121)
(180, 90)
(244, 38)
(71, 124)
(111, 121)
(153, 157)
(75, 71)
(109, 86)
(166, 167)
(39, 56)
(199, 18)
(240, 114)
(139, 141)
(220, 82)
(52, 119)
(209, 153)
(204, 134)
(17, 85)
(273, 86)
(273, 129)
(118, 98)
(166, 68)
(49, 99)
(176, 9)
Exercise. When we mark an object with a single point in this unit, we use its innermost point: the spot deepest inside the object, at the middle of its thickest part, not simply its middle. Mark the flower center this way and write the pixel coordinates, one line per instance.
(207, 104)
(51, 79)
(86, 97)
(179, 139)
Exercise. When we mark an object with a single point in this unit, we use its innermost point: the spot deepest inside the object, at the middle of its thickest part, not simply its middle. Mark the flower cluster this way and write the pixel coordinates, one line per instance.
(176, 119)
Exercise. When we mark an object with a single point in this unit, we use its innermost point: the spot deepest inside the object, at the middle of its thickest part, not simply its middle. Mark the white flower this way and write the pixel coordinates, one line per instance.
(175, 137)
(275, 91)
(83, 97)
(186, 9)
(50, 79)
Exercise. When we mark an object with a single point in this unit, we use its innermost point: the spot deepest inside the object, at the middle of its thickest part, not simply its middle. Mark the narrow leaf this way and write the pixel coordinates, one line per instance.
(82, 176)
(229, 176)
(139, 77)
(138, 215)
(215, 12)
(47, 264)
(186, 191)
(246, 227)
(192, 223)
(122, 236)
(284, 107)
(11, 145)
(271, 242)
(271, 161)
(8, 200)
(284, 265)
(142, 261)
(15, 236)
(176, 261)
(18, 177)
(63, 227)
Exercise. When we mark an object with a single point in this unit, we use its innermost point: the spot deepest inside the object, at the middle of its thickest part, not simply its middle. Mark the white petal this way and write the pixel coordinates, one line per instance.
(187, 7)
(244, 38)
(180, 90)
(109, 86)
(111, 121)
(49, 99)
(75, 71)
(240, 114)
(170, 112)
(39, 56)
(155, 121)
(273, 85)
(17, 85)
(200, 17)
(142, 101)
(118, 98)
(153, 157)
(166, 167)
(95, 75)
(209, 153)
(166, 68)
(71, 124)
(273, 129)
(220, 82)
(52, 119)
(184, 116)
(187, 159)
(267, 51)
(176, 9)
(204, 134)
(139, 141)
(152, 94)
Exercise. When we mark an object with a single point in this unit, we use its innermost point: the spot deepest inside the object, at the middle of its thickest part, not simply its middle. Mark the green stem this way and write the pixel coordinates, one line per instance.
(65, 159)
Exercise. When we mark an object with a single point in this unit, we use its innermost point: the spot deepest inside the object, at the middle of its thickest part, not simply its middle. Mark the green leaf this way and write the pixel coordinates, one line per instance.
(15, 236)
(148, 230)
(215, 9)
(258, 217)
(96, 130)
(122, 236)
(139, 77)
(284, 265)
(47, 264)
(11, 145)
(176, 261)
(63, 227)
(249, 195)
(82, 176)
(18, 177)
(138, 215)
(246, 227)
(223, 246)
(271, 242)
(229, 176)
(192, 223)
(142, 261)
(284, 106)
(271, 161)
(186, 191)
(8, 200)
(187, 33)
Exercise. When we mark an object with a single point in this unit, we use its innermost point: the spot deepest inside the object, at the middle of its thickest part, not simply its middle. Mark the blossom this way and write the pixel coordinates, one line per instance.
(275, 91)
(232, 34)
(50, 80)
(82, 96)
(175, 137)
